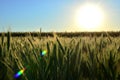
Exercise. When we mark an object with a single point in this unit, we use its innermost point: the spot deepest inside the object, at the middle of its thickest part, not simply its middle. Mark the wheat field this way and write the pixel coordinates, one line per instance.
(76, 58)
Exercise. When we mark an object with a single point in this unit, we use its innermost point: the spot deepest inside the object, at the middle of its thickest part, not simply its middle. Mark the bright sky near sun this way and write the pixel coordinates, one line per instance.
(59, 15)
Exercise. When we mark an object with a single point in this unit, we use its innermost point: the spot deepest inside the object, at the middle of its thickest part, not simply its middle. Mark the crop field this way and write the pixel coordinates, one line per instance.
(59, 58)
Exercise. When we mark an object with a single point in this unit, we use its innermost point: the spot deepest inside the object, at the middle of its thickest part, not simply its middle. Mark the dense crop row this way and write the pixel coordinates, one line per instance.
(64, 34)
(76, 58)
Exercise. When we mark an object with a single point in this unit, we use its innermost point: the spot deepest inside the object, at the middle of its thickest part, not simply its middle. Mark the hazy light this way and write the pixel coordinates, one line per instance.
(89, 17)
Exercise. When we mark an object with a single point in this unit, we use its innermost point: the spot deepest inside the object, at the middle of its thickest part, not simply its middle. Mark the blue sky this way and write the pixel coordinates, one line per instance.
(52, 15)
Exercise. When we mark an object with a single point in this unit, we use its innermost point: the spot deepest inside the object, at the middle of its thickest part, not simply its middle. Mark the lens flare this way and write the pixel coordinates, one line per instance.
(43, 52)
(19, 73)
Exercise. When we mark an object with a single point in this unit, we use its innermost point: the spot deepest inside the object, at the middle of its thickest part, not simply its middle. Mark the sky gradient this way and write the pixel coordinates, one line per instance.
(52, 15)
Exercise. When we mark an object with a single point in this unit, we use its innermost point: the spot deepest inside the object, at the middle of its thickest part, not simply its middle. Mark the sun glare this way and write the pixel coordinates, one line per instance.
(89, 17)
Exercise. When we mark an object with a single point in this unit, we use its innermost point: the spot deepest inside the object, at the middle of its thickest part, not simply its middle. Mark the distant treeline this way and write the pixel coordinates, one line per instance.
(63, 34)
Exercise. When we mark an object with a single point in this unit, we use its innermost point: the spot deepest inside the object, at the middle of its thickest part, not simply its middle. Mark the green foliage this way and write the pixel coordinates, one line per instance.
(84, 58)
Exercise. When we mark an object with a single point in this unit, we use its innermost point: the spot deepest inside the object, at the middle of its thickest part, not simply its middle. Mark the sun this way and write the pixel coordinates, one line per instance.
(89, 17)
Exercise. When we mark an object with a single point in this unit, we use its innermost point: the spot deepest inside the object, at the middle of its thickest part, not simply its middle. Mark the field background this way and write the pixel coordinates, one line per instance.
(70, 56)
(64, 34)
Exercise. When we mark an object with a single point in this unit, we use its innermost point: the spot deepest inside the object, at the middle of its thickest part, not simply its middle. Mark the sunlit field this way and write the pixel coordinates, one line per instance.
(60, 40)
(59, 58)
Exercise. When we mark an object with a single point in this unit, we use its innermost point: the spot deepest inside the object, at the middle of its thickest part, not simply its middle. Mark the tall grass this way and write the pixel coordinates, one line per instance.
(81, 58)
